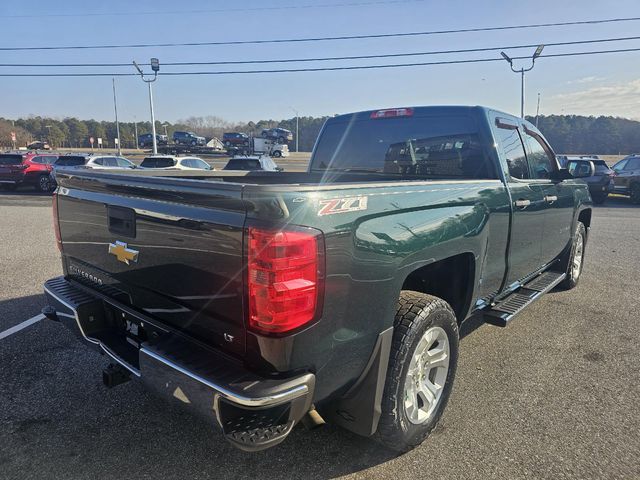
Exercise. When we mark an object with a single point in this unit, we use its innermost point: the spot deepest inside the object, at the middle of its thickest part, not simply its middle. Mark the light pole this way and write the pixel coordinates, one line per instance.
(135, 129)
(155, 66)
(522, 71)
(115, 107)
(297, 118)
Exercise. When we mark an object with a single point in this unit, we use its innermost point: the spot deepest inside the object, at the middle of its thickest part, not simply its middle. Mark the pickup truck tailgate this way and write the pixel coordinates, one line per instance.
(169, 248)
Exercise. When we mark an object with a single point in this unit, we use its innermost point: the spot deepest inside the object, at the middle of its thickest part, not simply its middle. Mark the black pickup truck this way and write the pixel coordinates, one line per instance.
(264, 299)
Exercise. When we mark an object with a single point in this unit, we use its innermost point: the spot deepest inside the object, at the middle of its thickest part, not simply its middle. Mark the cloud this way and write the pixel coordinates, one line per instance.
(619, 99)
(585, 80)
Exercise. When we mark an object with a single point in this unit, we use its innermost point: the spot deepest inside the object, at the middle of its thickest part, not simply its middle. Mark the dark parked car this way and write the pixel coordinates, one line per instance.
(596, 173)
(234, 139)
(627, 179)
(188, 138)
(18, 169)
(146, 140)
(70, 161)
(263, 299)
(38, 145)
(280, 135)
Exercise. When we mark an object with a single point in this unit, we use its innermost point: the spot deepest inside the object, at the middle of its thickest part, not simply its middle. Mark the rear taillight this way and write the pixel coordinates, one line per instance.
(56, 223)
(285, 278)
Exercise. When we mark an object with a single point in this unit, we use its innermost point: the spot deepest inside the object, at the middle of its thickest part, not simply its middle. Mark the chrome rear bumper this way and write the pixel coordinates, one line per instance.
(253, 412)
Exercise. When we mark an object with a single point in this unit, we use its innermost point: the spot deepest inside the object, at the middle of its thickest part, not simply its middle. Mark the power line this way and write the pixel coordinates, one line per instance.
(324, 69)
(217, 10)
(323, 59)
(319, 39)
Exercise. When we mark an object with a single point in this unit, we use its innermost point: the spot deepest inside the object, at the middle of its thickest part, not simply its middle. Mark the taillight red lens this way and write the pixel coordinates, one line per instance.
(284, 278)
(56, 223)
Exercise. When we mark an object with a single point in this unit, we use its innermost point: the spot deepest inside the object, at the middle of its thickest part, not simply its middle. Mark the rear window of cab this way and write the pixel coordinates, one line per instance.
(427, 146)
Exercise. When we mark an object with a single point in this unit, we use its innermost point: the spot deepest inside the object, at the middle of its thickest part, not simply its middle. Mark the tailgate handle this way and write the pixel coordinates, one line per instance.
(122, 221)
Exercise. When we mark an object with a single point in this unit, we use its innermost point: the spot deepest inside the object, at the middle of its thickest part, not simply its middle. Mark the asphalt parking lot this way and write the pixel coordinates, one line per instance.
(553, 395)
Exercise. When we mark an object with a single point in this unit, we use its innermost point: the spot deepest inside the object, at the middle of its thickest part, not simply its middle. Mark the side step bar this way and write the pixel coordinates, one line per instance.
(505, 310)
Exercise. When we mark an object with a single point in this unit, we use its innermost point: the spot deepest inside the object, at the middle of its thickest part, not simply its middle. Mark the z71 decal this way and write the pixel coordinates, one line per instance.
(342, 205)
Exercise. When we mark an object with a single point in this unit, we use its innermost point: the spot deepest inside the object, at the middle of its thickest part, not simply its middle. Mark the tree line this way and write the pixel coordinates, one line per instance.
(74, 133)
(566, 133)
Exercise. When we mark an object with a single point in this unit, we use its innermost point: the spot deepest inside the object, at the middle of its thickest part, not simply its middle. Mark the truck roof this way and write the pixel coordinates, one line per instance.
(429, 109)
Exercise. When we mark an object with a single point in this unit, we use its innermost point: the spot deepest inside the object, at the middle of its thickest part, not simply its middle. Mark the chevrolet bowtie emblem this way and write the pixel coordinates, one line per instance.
(122, 253)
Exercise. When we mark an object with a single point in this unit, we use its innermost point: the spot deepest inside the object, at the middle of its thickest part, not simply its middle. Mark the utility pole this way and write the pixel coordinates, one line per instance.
(538, 110)
(522, 71)
(135, 129)
(297, 129)
(115, 107)
(155, 66)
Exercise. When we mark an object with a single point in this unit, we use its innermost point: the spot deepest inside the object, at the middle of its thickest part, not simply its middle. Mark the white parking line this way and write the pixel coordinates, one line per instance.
(20, 326)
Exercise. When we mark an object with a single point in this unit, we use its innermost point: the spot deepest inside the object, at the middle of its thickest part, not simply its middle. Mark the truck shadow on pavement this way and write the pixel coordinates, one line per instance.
(58, 420)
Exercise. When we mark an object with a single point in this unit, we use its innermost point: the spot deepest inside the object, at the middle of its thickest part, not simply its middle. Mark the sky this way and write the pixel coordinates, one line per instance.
(590, 85)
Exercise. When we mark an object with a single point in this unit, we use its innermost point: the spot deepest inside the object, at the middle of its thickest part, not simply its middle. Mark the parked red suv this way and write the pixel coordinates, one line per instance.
(26, 169)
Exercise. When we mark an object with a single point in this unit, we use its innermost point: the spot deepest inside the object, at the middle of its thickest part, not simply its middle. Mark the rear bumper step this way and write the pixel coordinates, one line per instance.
(253, 412)
(506, 309)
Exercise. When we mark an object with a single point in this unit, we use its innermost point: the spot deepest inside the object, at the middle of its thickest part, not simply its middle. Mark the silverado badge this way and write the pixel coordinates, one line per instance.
(122, 253)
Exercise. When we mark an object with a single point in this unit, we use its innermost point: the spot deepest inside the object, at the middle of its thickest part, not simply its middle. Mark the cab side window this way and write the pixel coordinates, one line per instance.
(618, 167)
(541, 161)
(632, 164)
(511, 143)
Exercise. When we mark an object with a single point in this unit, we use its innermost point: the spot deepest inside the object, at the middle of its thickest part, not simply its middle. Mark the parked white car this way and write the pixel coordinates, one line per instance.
(169, 162)
(105, 162)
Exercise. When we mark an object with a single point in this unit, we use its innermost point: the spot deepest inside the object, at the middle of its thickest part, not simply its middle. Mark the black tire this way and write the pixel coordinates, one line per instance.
(43, 184)
(599, 198)
(277, 154)
(416, 314)
(281, 140)
(573, 275)
(634, 193)
(264, 134)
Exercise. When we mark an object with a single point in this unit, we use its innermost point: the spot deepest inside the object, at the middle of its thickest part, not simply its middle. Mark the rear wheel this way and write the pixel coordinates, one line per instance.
(277, 154)
(280, 140)
(635, 193)
(422, 366)
(44, 184)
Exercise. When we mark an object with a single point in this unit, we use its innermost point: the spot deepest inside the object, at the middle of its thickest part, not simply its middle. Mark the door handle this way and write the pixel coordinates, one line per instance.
(551, 198)
(522, 203)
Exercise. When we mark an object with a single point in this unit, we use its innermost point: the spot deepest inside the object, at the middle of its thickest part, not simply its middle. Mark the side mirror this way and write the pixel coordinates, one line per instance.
(561, 174)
